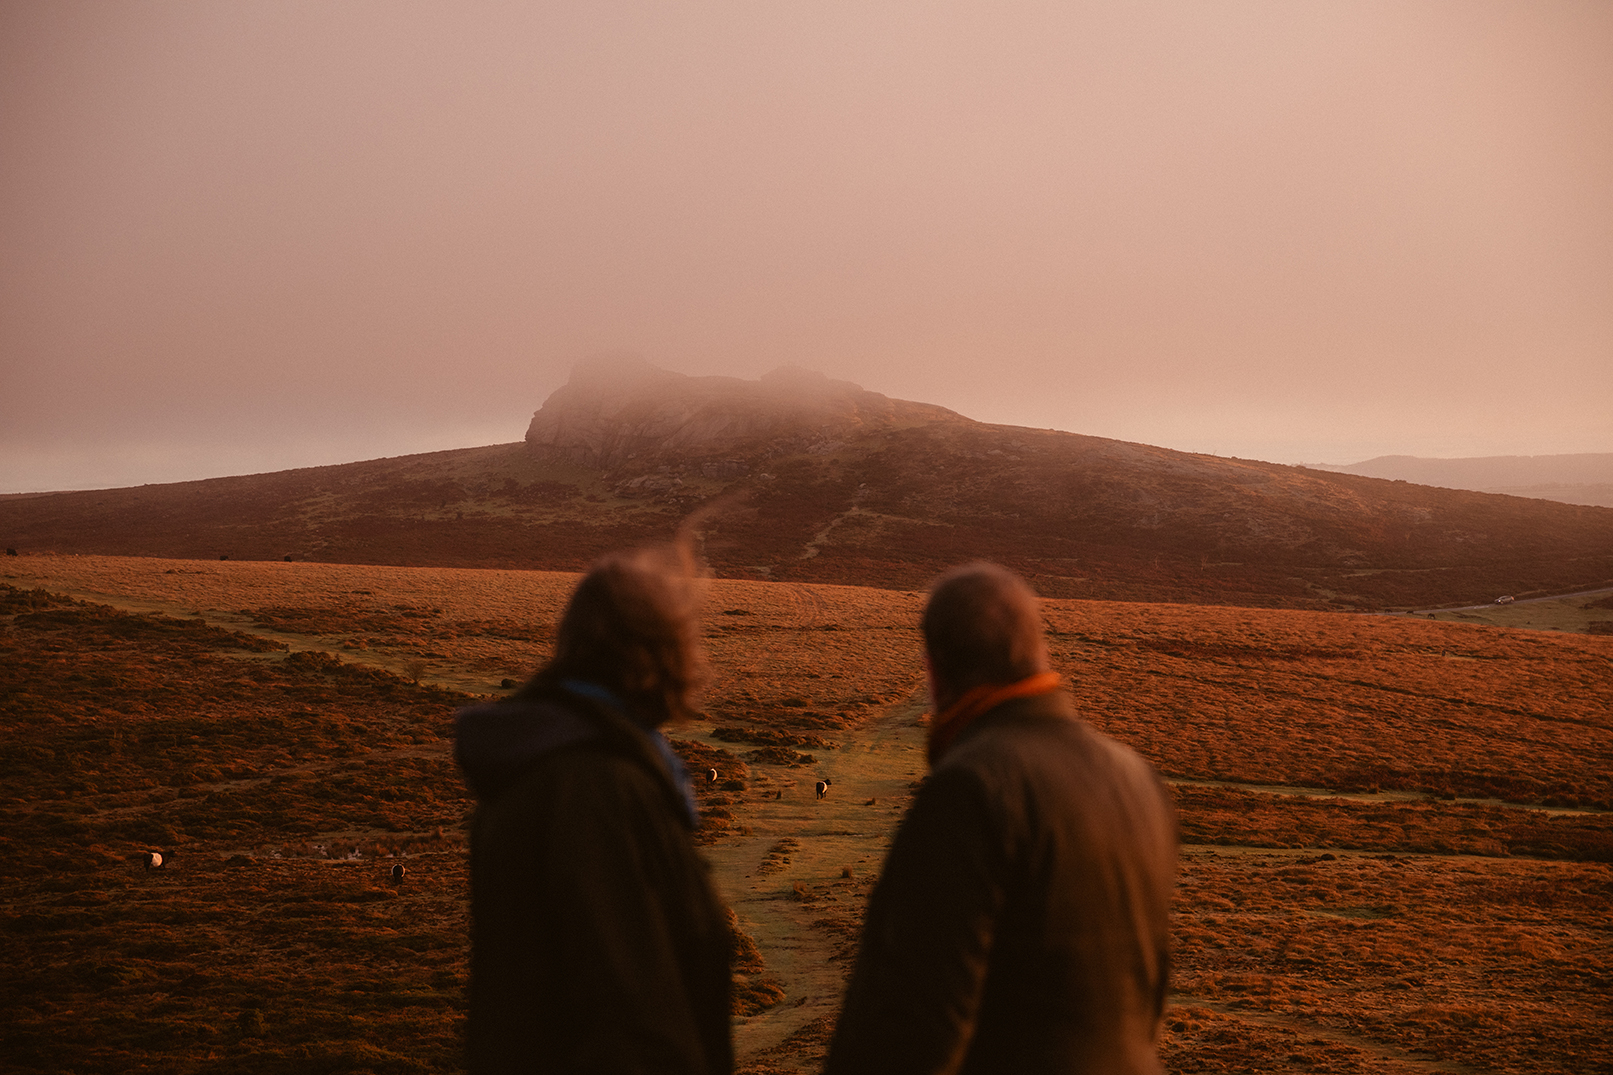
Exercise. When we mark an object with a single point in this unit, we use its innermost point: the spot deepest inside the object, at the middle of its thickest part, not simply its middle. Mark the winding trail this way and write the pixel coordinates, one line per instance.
(799, 932)
(395, 662)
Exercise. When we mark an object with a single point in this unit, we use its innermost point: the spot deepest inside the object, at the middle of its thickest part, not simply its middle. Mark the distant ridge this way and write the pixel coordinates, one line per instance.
(802, 478)
(1585, 478)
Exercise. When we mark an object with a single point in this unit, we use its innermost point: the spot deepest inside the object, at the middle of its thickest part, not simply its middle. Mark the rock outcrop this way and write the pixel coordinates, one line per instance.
(618, 409)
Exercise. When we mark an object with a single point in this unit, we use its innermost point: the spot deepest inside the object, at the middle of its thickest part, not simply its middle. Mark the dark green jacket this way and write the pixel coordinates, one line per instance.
(597, 941)
(1021, 920)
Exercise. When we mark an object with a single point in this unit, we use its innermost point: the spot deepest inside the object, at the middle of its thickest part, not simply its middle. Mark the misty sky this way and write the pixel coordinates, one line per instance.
(239, 237)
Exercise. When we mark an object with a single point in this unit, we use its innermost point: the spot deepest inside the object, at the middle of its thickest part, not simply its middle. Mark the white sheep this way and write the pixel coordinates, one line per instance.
(153, 860)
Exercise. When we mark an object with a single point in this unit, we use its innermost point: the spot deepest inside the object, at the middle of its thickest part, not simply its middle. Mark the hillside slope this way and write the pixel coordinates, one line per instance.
(1585, 478)
(808, 479)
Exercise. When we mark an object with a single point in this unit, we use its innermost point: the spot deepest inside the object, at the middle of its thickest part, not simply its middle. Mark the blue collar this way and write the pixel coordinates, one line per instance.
(669, 758)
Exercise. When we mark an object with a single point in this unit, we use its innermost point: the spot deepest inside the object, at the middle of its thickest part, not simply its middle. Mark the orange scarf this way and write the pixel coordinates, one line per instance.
(946, 726)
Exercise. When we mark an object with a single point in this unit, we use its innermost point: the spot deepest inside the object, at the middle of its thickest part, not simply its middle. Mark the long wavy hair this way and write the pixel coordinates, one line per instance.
(632, 627)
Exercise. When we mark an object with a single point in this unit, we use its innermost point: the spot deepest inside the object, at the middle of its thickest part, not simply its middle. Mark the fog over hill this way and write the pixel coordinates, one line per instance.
(799, 477)
(614, 410)
(1585, 478)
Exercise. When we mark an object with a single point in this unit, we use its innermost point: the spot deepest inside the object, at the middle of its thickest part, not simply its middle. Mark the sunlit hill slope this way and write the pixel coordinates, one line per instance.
(805, 478)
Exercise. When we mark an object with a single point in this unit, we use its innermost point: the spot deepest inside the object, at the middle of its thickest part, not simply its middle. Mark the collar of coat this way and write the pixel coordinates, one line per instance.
(658, 742)
(949, 724)
(495, 743)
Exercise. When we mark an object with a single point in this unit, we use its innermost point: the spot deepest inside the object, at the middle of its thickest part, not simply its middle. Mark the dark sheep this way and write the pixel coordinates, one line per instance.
(711, 776)
(398, 873)
(823, 788)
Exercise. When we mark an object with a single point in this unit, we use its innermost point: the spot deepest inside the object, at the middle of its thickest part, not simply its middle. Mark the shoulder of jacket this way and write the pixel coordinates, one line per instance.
(589, 770)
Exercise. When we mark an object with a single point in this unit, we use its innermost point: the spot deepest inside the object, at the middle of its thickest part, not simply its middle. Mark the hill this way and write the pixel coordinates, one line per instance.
(801, 478)
(1585, 478)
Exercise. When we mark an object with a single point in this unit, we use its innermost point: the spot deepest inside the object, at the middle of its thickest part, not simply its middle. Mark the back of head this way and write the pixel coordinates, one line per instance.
(631, 627)
(983, 625)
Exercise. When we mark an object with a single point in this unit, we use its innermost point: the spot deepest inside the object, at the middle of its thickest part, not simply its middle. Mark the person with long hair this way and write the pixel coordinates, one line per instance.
(597, 940)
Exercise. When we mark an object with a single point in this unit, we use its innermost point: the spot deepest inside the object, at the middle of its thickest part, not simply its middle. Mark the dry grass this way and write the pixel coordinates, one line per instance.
(1440, 921)
(1367, 961)
(280, 789)
(1347, 702)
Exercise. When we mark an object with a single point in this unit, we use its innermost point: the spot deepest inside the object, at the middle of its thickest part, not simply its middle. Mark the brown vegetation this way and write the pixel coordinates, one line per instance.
(279, 792)
(1324, 962)
(886, 495)
(1372, 879)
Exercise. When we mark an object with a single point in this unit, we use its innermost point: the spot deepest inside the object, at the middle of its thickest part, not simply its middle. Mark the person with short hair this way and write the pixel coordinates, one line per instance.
(597, 940)
(1020, 922)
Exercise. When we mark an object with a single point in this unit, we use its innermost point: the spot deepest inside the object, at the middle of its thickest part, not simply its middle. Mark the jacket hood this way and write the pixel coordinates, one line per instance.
(495, 742)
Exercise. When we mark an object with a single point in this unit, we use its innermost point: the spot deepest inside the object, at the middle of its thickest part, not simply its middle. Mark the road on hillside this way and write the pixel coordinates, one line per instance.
(1519, 601)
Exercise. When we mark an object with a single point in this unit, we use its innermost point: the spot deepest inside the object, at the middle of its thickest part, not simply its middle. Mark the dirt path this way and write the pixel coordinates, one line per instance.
(1491, 605)
(396, 663)
(799, 932)
(1289, 791)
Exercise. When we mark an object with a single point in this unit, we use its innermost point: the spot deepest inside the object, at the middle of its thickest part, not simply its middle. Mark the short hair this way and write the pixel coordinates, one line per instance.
(983, 625)
(631, 626)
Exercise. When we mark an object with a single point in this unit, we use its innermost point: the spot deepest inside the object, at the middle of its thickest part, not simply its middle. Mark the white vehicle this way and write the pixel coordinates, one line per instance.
(1503, 600)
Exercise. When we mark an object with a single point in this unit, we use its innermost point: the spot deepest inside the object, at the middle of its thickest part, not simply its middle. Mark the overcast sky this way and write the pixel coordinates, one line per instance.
(239, 237)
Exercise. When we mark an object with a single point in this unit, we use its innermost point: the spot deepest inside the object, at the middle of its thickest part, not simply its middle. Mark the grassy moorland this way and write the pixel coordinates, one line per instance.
(1396, 851)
